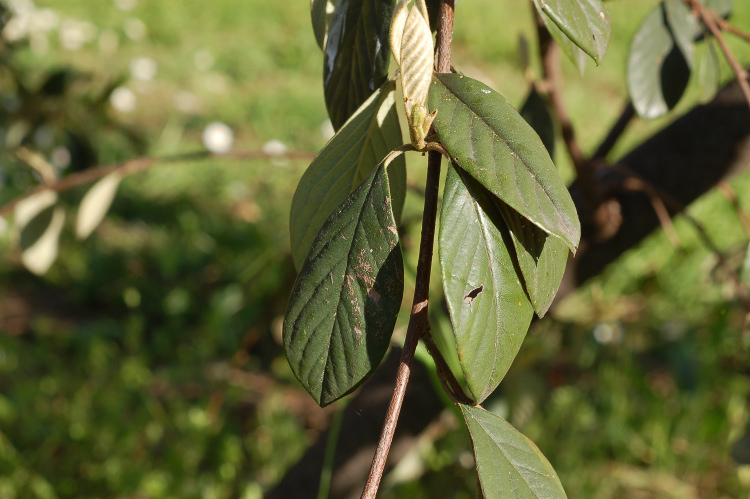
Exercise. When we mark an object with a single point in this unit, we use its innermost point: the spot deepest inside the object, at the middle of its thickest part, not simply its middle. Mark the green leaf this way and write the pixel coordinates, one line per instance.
(320, 14)
(486, 137)
(344, 304)
(489, 309)
(96, 203)
(661, 59)
(745, 273)
(721, 7)
(570, 49)
(39, 222)
(536, 113)
(343, 164)
(509, 465)
(541, 257)
(584, 22)
(709, 73)
(357, 54)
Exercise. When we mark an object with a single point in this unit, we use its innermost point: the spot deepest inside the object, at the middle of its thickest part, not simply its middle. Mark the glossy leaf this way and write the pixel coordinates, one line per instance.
(321, 12)
(541, 257)
(343, 164)
(487, 138)
(39, 222)
(489, 309)
(356, 55)
(584, 22)
(536, 113)
(509, 465)
(344, 304)
(96, 203)
(570, 49)
(661, 59)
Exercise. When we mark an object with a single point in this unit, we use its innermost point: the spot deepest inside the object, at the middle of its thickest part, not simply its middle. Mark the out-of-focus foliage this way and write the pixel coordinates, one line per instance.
(148, 363)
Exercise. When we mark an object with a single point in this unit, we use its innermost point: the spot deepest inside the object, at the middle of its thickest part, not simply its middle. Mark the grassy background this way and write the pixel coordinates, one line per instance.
(147, 362)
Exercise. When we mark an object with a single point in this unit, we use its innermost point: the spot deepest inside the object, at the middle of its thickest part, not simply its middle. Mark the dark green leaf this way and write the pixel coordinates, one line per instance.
(708, 72)
(570, 49)
(357, 53)
(346, 298)
(320, 19)
(536, 113)
(343, 164)
(488, 306)
(584, 22)
(661, 59)
(509, 465)
(487, 137)
(541, 257)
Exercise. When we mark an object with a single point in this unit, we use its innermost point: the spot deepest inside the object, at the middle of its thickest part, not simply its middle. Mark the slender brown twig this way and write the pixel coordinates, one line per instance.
(741, 291)
(730, 28)
(137, 165)
(710, 20)
(418, 321)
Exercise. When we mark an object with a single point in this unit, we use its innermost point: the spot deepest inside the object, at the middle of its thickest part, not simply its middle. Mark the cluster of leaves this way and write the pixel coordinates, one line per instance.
(50, 123)
(506, 224)
(662, 57)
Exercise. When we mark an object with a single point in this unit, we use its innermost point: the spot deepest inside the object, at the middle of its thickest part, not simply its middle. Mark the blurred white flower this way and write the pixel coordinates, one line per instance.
(74, 34)
(135, 29)
(126, 5)
(123, 99)
(16, 29)
(60, 157)
(609, 333)
(218, 138)
(203, 60)
(143, 68)
(108, 42)
(43, 20)
(274, 148)
(326, 130)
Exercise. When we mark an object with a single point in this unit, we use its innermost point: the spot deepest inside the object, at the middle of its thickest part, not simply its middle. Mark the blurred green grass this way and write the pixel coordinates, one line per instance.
(146, 362)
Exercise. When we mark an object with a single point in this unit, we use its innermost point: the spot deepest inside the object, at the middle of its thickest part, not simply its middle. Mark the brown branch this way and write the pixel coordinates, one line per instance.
(550, 55)
(710, 20)
(419, 321)
(730, 28)
(137, 165)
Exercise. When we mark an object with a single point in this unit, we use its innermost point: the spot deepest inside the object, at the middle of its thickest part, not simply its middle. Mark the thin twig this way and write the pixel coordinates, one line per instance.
(137, 165)
(742, 293)
(710, 20)
(730, 28)
(662, 213)
(550, 55)
(418, 321)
